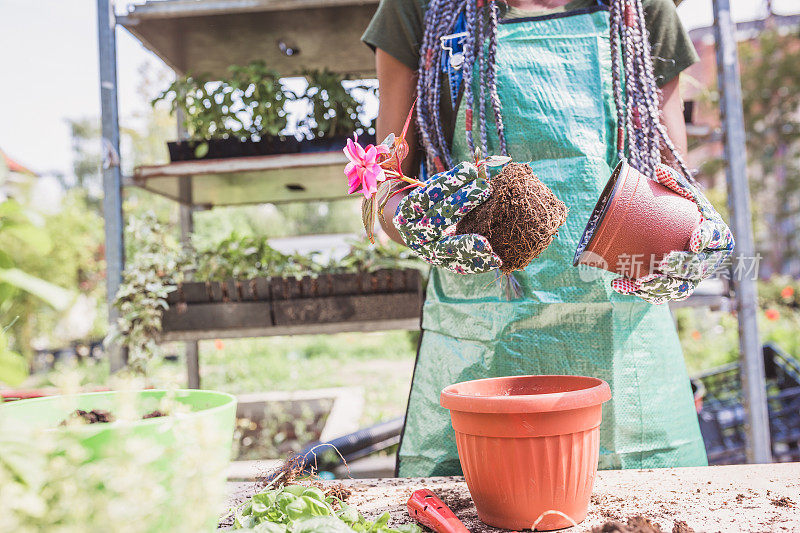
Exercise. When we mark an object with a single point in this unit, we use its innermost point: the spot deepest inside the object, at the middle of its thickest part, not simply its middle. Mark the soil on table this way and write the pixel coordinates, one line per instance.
(783, 501)
(520, 219)
(640, 524)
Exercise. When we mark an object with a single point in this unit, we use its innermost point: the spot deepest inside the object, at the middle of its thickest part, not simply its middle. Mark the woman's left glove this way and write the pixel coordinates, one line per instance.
(679, 272)
(427, 212)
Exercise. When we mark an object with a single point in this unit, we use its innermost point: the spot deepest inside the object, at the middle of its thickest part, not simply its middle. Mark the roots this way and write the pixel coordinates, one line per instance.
(520, 219)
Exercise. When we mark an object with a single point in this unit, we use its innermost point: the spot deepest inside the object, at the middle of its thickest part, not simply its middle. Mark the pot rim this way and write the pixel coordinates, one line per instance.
(602, 205)
(590, 392)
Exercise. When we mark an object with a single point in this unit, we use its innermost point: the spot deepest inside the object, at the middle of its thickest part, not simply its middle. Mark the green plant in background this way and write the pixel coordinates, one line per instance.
(247, 257)
(205, 106)
(20, 290)
(247, 105)
(334, 112)
(156, 264)
(257, 97)
(278, 432)
(366, 257)
(710, 338)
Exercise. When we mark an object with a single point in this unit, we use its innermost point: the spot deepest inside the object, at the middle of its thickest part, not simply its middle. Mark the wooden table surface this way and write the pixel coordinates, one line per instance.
(756, 498)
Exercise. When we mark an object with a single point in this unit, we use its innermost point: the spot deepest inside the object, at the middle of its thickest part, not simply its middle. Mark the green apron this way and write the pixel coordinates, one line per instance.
(554, 80)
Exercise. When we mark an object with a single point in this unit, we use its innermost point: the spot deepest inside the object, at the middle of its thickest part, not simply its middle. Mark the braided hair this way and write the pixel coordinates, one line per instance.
(640, 133)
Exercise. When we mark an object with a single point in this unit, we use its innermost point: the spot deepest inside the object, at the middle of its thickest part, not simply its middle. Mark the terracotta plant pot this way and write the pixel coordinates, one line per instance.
(528, 445)
(635, 224)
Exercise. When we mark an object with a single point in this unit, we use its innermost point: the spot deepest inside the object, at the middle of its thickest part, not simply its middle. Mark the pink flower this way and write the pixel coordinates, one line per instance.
(363, 171)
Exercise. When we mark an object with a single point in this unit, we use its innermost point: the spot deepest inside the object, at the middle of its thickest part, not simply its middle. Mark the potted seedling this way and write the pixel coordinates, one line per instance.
(238, 116)
(520, 219)
(245, 113)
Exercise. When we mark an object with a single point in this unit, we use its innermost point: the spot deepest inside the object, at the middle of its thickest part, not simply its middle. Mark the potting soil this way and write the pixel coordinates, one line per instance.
(95, 416)
(101, 416)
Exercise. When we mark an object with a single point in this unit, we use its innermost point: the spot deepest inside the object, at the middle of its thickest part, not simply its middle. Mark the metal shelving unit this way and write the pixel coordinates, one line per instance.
(205, 36)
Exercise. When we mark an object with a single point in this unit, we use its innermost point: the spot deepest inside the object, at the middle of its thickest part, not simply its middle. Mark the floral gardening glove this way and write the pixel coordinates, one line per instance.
(424, 215)
(680, 272)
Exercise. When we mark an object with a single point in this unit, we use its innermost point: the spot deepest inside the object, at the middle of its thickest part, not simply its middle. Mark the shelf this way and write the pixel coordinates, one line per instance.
(248, 180)
(331, 303)
(409, 324)
(207, 36)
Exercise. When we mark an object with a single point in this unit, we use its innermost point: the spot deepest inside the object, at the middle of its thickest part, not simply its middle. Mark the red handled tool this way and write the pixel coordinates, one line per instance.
(427, 509)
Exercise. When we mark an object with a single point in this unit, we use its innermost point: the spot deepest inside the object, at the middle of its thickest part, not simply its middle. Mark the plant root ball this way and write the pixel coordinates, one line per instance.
(520, 219)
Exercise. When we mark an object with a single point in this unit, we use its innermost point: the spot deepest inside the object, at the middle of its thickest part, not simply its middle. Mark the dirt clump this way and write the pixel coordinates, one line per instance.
(635, 524)
(95, 416)
(520, 219)
(783, 501)
(681, 527)
(337, 490)
(154, 414)
(640, 524)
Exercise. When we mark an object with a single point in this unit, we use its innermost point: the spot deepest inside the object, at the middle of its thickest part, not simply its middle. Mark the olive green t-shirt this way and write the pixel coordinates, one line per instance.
(397, 29)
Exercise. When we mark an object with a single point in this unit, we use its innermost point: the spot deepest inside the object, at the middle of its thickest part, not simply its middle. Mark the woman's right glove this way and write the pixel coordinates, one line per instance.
(424, 215)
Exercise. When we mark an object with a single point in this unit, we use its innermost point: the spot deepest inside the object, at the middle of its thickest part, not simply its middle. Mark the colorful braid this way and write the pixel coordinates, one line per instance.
(640, 131)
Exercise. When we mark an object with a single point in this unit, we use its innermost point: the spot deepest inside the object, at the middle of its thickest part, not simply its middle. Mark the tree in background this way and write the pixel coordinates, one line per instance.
(771, 101)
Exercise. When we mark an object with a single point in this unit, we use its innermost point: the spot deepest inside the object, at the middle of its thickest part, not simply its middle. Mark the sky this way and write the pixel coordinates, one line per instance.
(49, 72)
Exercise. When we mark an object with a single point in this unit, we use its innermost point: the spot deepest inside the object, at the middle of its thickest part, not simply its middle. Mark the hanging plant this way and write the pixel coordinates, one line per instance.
(152, 272)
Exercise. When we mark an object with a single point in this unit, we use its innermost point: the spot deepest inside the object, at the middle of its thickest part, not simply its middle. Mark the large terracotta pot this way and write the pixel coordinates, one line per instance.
(636, 222)
(528, 445)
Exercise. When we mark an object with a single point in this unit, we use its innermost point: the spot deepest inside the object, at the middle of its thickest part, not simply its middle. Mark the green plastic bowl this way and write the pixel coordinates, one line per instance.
(215, 407)
(201, 430)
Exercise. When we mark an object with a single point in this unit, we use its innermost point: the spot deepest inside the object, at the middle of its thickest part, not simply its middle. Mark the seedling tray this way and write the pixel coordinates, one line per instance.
(385, 299)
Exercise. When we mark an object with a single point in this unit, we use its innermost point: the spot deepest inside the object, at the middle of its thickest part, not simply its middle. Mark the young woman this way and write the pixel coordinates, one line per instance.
(568, 87)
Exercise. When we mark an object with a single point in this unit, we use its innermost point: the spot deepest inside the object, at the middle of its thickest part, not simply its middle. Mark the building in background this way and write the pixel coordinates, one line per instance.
(774, 171)
(16, 181)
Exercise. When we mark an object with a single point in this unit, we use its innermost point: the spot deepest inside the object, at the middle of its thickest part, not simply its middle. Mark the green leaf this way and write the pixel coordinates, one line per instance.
(13, 366)
(497, 160)
(382, 519)
(270, 527)
(321, 524)
(383, 194)
(54, 295)
(35, 238)
(201, 150)
(368, 217)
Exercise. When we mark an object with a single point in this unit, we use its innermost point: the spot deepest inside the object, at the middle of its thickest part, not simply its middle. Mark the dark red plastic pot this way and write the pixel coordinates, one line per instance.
(636, 222)
(528, 446)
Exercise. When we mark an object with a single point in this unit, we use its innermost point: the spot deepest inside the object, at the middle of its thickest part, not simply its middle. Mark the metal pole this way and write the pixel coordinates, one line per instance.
(752, 360)
(186, 215)
(112, 179)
